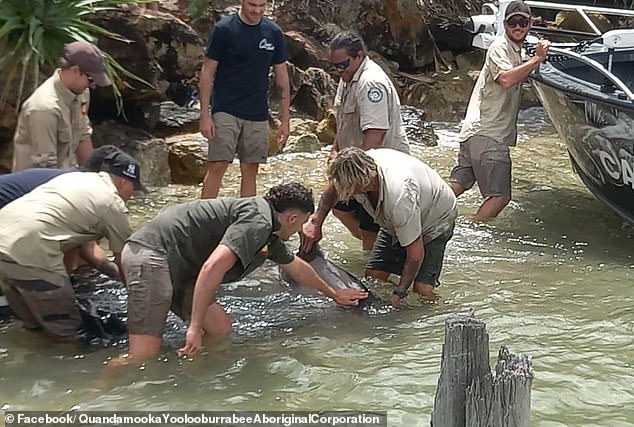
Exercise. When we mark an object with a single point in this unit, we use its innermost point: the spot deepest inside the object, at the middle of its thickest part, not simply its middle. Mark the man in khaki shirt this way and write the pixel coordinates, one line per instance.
(490, 125)
(368, 116)
(414, 206)
(53, 128)
(70, 211)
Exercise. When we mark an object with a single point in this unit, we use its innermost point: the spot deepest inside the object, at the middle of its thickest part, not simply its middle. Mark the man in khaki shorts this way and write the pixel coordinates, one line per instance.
(69, 211)
(242, 48)
(53, 129)
(178, 260)
(490, 125)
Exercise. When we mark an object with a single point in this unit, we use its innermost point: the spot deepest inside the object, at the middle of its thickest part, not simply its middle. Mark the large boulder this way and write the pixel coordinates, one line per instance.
(162, 50)
(149, 151)
(312, 91)
(187, 158)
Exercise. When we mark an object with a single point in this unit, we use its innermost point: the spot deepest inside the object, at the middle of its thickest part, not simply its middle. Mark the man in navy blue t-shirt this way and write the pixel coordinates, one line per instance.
(242, 47)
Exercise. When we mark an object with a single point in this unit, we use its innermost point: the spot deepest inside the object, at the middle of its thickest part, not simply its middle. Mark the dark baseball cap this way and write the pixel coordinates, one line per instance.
(124, 165)
(89, 59)
(95, 161)
(517, 7)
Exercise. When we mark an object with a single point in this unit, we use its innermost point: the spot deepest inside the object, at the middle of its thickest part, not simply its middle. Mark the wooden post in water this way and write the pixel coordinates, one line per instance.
(468, 394)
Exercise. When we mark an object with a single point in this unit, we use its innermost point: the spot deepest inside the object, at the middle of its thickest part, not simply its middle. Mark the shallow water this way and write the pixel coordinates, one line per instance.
(551, 277)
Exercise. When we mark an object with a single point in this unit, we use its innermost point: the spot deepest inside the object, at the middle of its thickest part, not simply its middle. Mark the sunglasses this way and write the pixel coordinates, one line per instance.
(342, 65)
(90, 79)
(512, 23)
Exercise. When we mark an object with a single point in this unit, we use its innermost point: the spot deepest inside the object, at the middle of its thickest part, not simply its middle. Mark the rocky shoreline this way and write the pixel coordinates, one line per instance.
(425, 51)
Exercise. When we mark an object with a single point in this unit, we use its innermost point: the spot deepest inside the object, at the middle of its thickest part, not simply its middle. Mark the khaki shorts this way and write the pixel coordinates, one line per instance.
(41, 299)
(149, 289)
(486, 161)
(233, 135)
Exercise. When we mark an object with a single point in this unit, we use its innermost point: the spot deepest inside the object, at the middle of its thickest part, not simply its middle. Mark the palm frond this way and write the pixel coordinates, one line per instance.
(33, 33)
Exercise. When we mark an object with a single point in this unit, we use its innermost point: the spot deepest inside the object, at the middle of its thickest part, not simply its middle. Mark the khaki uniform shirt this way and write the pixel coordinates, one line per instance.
(493, 110)
(414, 201)
(50, 126)
(64, 213)
(369, 101)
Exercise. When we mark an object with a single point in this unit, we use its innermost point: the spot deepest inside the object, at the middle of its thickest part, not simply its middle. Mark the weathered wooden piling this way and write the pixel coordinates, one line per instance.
(468, 394)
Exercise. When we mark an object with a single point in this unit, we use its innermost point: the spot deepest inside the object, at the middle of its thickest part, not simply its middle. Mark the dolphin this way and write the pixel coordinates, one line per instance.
(336, 277)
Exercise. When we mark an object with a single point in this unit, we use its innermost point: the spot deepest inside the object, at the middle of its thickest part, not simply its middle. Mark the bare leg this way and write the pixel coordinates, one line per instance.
(456, 188)
(213, 179)
(248, 181)
(350, 220)
(491, 208)
(368, 238)
(217, 322)
(140, 349)
(377, 274)
(426, 291)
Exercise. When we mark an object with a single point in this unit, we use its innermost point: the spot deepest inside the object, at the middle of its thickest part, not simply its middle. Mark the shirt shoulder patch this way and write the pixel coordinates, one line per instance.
(375, 95)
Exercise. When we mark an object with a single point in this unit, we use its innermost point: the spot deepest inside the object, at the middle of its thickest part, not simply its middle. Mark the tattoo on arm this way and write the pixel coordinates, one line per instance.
(408, 275)
(327, 201)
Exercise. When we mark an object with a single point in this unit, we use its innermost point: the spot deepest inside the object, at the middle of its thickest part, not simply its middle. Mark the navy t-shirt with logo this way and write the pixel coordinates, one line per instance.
(244, 54)
(15, 185)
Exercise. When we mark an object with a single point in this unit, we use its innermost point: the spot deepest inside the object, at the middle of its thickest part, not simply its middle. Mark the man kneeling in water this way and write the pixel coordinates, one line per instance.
(178, 260)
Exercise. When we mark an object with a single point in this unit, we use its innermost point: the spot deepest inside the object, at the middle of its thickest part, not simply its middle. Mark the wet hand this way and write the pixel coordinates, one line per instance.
(207, 126)
(396, 301)
(310, 234)
(193, 342)
(350, 296)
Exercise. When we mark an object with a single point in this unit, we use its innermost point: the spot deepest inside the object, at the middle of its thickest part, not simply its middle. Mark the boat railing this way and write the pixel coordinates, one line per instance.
(618, 83)
(490, 22)
(584, 11)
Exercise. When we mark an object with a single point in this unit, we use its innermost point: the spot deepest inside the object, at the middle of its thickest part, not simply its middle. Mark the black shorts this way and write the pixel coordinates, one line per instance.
(366, 222)
(389, 256)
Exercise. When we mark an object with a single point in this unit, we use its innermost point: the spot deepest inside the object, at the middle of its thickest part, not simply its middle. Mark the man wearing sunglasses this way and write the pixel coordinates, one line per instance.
(490, 125)
(368, 116)
(53, 129)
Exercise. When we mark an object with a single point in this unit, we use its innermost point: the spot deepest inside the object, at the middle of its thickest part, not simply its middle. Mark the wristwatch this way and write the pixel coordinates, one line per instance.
(399, 293)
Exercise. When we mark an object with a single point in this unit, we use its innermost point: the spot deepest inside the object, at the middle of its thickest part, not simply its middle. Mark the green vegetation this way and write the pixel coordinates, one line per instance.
(33, 33)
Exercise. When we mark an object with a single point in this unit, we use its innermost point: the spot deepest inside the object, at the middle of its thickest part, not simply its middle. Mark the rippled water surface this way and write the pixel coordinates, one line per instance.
(552, 277)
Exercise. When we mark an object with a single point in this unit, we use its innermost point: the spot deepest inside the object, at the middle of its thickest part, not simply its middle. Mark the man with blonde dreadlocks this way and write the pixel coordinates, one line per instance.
(414, 206)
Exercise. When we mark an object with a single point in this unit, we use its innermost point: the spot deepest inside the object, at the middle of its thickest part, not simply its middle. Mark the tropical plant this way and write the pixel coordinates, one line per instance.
(33, 34)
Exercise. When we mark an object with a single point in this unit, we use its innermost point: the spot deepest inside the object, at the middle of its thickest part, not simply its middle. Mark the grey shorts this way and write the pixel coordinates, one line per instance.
(486, 161)
(149, 289)
(42, 300)
(151, 294)
(388, 256)
(233, 135)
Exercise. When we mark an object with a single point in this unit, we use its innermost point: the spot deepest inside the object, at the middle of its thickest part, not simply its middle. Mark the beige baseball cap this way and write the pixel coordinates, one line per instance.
(89, 59)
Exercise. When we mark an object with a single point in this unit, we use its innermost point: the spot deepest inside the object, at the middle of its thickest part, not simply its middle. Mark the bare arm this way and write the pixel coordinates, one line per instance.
(207, 283)
(207, 76)
(334, 150)
(282, 81)
(373, 138)
(414, 254)
(95, 256)
(311, 231)
(84, 149)
(515, 75)
(304, 274)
